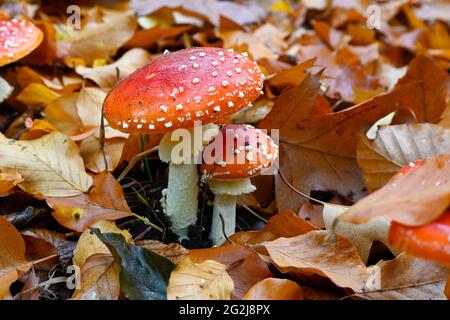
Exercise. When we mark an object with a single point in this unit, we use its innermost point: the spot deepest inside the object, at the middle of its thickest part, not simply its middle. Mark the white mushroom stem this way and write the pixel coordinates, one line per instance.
(180, 199)
(226, 193)
(225, 206)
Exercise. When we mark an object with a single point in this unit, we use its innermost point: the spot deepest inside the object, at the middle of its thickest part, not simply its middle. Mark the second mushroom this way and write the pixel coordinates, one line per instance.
(237, 153)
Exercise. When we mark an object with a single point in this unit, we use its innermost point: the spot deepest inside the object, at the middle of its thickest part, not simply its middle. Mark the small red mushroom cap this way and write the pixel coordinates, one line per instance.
(18, 37)
(176, 89)
(238, 152)
(430, 241)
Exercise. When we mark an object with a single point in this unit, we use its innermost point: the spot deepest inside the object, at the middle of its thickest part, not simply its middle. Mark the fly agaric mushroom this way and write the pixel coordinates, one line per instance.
(430, 241)
(174, 91)
(18, 38)
(237, 153)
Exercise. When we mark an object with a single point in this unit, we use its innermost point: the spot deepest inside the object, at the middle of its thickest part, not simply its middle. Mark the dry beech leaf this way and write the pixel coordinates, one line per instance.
(49, 165)
(12, 256)
(94, 157)
(99, 279)
(409, 278)
(360, 235)
(147, 37)
(62, 113)
(325, 144)
(397, 145)
(433, 90)
(5, 89)
(89, 244)
(105, 201)
(243, 265)
(274, 289)
(99, 40)
(89, 105)
(413, 199)
(284, 224)
(335, 259)
(9, 178)
(175, 252)
(107, 76)
(207, 280)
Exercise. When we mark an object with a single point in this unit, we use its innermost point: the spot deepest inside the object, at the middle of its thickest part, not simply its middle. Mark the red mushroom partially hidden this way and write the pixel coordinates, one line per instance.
(18, 37)
(430, 241)
(172, 92)
(237, 153)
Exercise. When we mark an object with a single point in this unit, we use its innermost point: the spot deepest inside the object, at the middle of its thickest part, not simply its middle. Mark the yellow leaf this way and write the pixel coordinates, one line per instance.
(208, 280)
(62, 113)
(49, 165)
(90, 150)
(36, 94)
(89, 244)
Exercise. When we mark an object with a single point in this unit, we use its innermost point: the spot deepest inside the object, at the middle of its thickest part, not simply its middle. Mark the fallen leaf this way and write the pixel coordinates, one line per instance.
(397, 145)
(433, 91)
(49, 165)
(37, 95)
(9, 178)
(243, 265)
(108, 75)
(408, 278)
(207, 280)
(63, 247)
(98, 40)
(62, 113)
(325, 144)
(175, 252)
(89, 244)
(5, 89)
(94, 156)
(211, 9)
(274, 289)
(335, 259)
(447, 289)
(360, 235)
(12, 256)
(99, 279)
(147, 37)
(105, 201)
(413, 199)
(144, 274)
(38, 129)
(284, 224)
(89, 105)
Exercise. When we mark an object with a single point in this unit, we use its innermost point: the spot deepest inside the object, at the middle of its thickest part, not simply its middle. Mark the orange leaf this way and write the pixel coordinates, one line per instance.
(12, 256)
(274, 289)
(105, 201)
(9, 178)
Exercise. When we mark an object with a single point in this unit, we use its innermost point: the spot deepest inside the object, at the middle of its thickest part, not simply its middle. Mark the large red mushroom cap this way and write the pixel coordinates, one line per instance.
(238, 152)
(18, 37)
(430, 241)
(176, 89)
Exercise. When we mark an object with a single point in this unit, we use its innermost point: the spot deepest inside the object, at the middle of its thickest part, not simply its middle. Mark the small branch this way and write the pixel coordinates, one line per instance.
(253, 212)
(223, 230)
(133, 162)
